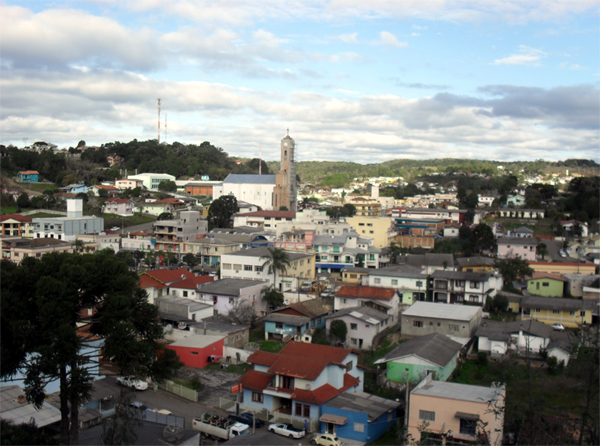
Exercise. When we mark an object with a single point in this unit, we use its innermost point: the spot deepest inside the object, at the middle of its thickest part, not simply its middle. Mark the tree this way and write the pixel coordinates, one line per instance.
(272, 297)
(338, 329)
(121, 428)
(283, 208)
(221, 210)
(542, 250)
(190, 260)
(276, 260)
(102, 193)
(483, 238)
(78, 245)
(45, 335)
(167, 186)
(497, 304)
(471, 201)
(23, 200)
(513, 269)
(81, 144)
(348, 210)
(394, 251)
(165, 216)
(242, 313)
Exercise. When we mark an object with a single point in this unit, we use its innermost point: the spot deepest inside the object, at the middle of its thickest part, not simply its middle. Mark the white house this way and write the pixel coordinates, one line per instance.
(151, 181)
(382, 299)
(226, 293)
(364, 325)
(410, 281)
(255, 189)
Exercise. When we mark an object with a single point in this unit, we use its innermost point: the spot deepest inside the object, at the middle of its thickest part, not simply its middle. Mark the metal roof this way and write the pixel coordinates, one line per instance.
(197, 341)
(435, 347)
(228, 287)
(517, 241)
(288, 319)
(250, 179)
(11, 409)
(264, 252)
(361, 312)
(374, 406)
(443, 311)
(455, 391)
(460, 275)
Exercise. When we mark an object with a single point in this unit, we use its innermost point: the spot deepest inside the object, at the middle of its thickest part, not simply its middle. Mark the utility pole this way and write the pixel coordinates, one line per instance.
(158, 120)
(165, 128)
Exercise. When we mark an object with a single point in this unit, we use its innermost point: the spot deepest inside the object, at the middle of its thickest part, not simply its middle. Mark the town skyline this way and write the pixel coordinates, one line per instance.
(372, 83)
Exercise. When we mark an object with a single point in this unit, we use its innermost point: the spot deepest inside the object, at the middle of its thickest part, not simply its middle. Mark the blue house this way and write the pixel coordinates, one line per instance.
(295, 320)
(358, 416)
(29, 176)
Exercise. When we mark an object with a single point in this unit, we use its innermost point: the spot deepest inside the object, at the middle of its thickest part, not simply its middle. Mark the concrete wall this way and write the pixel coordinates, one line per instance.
(466, 329)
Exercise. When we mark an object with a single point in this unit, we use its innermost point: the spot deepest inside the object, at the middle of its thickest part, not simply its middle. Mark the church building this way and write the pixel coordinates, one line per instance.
(270, 192)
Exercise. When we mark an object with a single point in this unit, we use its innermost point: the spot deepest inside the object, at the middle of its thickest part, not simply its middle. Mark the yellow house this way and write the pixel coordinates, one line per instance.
(354, 275)
(369, 207)
(558, 310)
(476, 264)
(380, 229)
(563, 268)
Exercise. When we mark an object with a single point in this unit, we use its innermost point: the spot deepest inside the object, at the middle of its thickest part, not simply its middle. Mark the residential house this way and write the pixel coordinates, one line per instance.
(209, 249)
(69, 227)
(386, 300)
(155, 207)
(16, 249)
(365, 325)
(563, 267)
(297, 320)
(476, 264)
(429, 262)
(464, 287)
(500, 338)
(119, 206)
(103, 240)
(138, 241)
(451, 231)
(358, 416)
(296, 240)
(524, 248)
(75, 188)
(229, 293)
(190, 286)
(236, 335)
(414, 359)
(170, 235)
(515, 200)
(546, 284)
(294, 384)
(198, 350)
(153, 287)
(250, 264)
(366, 207)
(112, 191)
(522, 232)
(126, 183)
(380, 229)
(246, 236)
(409, 281)
(521, 213)
(575, 228)
(457, 321)
(150, 181)
(28, 176)
(336, 252)
(557, 310)
(355, 275)
(453, 411)
(263, 219)
(17, 225)
(175, 309)
(577, 282)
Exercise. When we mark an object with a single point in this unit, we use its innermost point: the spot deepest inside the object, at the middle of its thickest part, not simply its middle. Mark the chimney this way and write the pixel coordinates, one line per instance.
(204, 327)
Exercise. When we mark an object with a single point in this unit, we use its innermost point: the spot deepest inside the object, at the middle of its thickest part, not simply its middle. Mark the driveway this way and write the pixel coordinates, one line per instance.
(216, 384)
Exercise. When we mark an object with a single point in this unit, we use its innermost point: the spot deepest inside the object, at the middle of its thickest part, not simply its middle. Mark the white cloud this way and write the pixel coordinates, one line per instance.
(415, 34)
(346, 38)
(527, 56)
(387, 38)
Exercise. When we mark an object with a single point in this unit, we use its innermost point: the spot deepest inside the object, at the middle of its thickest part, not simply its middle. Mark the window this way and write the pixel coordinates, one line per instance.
(426, 415)
(247, 267)
(555, 311)
(194, 353)
(345, 301)
(353, 276)
(257, 397)
(258, 268)
(537, 310)
(287, 382)
(418, 324)
(306, 411)
(298, 410)
(353, 326)
(359, 427)
(453, 327)
(349, 365)
(353, 341)
(278, 324)
(467, 427)
(545, 283)
(377, 281)
(237, 267)
(394, 281)
(582, 313)
(475, 285)
(185, 294)
(231, 300)
(419, 283)
(473, 298)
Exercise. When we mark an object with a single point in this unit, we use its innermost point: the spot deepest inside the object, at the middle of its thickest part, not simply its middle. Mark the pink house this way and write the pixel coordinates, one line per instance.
(524, 248)
(119, 206)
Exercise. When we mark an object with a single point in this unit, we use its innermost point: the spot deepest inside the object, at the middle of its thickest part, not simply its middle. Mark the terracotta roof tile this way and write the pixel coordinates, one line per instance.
(149, 282)
(262, 358)
(255, 380)
(540, 275)
(366, 292)
(325, 392)
(191, 282)
(18, 217)
(169, 275)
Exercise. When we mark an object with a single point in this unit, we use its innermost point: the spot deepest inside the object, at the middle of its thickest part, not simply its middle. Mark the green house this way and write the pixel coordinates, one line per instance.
(547, 285)
(421, 355)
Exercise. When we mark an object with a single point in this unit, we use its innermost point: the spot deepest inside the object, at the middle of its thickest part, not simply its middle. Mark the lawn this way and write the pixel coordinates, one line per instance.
(111, 220)
(271, 346)
(540, 227)
(46, 214)
(193, 383)
(232, 368)
(8, 210)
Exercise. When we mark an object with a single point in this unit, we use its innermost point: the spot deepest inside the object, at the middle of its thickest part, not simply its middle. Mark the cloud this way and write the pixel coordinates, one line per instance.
(418, 85)
(415, 34)
(346, 38)
(386, 38)
(527, 56)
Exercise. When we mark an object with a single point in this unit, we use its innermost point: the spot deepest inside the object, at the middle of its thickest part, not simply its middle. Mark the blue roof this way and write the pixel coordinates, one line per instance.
(250, 179)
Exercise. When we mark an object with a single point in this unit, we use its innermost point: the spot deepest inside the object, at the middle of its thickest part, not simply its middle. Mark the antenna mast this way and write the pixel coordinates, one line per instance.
(165, 128)
(260, 159)
(159, 120)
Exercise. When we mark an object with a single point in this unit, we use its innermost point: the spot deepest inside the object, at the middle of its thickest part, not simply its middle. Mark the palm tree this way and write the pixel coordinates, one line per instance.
(277, 260)
(78, 245)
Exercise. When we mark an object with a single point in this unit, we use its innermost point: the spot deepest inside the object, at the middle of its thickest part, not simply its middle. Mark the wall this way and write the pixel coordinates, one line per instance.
(189, 358)
(248, 404)
(396, 371)
(430, 325)
(347, 430)
(564, 317)
(553, 289)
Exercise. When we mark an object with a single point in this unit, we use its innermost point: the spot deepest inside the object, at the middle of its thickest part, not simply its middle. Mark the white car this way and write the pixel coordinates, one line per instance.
(132, 382)
(562, 253)
(115, 228)
(558, 327)
(326, 440)
(287, 430)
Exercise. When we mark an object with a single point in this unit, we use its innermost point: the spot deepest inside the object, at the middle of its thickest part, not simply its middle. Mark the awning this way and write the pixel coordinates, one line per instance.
(467, 416)
(334, 419)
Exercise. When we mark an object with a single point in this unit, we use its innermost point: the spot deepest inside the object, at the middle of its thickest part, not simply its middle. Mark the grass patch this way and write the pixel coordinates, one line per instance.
(9, 210)
(111, 220)
(271, 346)
(37, 187)
(232, 368)
(193, 383)
(47, 214)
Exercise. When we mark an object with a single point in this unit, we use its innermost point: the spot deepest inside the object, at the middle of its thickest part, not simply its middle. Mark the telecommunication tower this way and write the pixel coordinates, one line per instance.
(159, 120)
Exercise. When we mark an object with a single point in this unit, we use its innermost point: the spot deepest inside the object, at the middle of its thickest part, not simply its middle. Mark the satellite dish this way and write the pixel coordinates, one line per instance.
(168, 328)
(181, 325)
(173, 432)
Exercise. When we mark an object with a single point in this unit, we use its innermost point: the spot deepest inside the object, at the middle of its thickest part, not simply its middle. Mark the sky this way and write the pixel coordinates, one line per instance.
(353, 80)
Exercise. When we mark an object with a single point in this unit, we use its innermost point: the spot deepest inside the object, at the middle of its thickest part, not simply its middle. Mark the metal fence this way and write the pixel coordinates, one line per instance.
(178, 389)
(160, 418)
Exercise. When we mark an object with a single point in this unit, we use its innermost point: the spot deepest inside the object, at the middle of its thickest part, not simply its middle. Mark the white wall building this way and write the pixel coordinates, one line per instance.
(151, 180)
(254, 189)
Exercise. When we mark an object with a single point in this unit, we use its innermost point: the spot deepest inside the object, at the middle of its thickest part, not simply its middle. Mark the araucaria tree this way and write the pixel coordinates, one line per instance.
(221, 210)
(276, 260)
(53, 310)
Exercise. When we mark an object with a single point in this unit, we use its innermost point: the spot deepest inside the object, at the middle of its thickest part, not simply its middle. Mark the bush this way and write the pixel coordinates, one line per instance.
(339, 330)
(482, 358)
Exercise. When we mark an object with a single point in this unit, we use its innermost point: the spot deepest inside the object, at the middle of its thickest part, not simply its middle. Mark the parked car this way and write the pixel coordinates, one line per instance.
(132, 382)
(123, 380)
(326, 440)
(247, 418)
(562, 253)
(558, 327)
(138, 405)
(287, 430)
(115, 228)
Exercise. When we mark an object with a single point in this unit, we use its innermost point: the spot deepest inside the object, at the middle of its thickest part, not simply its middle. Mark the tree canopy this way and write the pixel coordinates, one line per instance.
(221, 211)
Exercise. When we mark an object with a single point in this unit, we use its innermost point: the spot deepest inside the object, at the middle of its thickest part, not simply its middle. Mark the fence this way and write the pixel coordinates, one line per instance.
(227, 404)
(161, 418)
(178, 389)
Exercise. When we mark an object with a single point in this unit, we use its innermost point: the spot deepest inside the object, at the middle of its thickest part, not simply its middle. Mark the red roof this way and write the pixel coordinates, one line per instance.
(325, 392)
(366, 292)
(118, 200)
(168, 276)
(168, 201)
(262, 358)
(255, 380)
(140, 233)
(270, 214)
(192, 282)
(102, 186)
(29, 172)
(18, 217)
(539, 275)
(149, 282)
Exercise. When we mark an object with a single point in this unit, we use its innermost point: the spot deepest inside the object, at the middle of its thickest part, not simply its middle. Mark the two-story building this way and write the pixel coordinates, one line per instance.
(170, 235)
(556, 310)
(294, 383)
(296, 320)
(210, 249)
(464, 287)
(28, 176)
(522, 247)
(410, 281)
(226, 294)
(138, 241)
(150, 181)
(263, 219)
(119, 206)
(126, 183)
(429, 262)
(336, 252)
(365, 325)
(296, 240)
(476, 264)
(17, 225)
(386, 300)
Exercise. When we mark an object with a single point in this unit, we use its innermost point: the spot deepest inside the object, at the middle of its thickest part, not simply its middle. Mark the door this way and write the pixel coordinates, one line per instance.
(330, 428)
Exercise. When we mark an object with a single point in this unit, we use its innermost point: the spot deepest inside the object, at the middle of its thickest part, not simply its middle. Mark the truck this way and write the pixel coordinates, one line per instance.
(219, 427)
